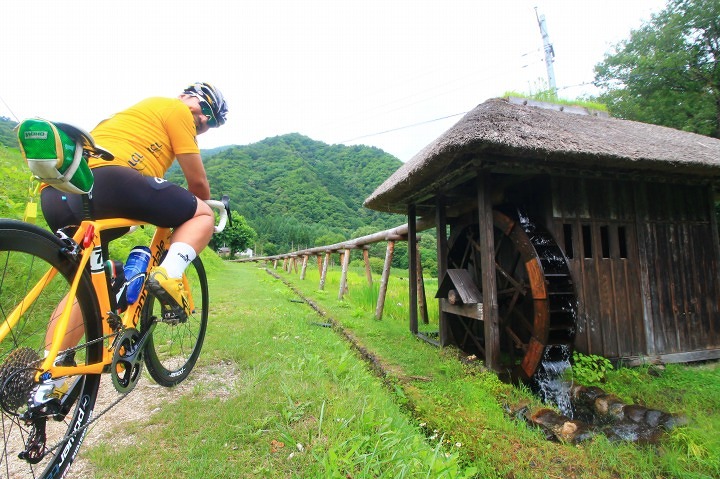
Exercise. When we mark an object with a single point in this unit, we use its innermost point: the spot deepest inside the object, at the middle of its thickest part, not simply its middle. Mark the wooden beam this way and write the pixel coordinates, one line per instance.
(368, 271)
(489, 281)
(384, 280)
(422, 300)
(412, 268)
(323, 275)
(442, 265)
(343, 276)
(304, 266)
(641, 218)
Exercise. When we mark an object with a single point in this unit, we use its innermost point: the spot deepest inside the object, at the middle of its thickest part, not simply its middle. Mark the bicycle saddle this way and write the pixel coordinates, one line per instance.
(86, 140)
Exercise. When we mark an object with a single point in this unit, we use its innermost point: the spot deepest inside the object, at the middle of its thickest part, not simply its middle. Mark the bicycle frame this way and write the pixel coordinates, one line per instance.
(87, 237)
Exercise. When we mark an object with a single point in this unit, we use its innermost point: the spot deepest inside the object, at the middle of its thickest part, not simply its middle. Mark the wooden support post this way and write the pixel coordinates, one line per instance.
(275, 262)
(319, 263)
(442, 262)
(323, 274)
(304, 266)
(343, 277)
(368, 271)
(412, 268)
(491, 318)
(640, 198)
(384, 281)
(422, 300)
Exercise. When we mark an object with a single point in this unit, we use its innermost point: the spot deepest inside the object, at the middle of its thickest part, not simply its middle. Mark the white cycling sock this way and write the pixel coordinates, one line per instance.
(178, 257)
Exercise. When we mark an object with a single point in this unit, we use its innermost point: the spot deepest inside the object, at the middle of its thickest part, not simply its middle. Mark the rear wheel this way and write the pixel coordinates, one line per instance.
(174, 346)
(46, 432)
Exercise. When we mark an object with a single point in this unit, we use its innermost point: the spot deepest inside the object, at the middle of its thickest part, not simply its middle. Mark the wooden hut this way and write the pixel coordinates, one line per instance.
(558, 226)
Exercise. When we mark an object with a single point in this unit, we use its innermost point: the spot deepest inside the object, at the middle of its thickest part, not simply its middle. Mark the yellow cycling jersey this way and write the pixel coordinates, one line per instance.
(147, 136)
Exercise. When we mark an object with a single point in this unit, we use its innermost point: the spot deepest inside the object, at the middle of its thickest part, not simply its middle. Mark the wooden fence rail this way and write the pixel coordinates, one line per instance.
(324, 253)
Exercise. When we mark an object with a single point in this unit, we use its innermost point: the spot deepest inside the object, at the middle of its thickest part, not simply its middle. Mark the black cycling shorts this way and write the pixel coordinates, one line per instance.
(122, 192)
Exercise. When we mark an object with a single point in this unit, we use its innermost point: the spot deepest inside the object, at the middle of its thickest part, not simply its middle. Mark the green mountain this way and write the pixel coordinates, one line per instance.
(297, 192)
(7, 135)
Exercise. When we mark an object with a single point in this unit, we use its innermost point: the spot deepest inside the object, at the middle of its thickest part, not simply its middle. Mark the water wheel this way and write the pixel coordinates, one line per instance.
(536, 298)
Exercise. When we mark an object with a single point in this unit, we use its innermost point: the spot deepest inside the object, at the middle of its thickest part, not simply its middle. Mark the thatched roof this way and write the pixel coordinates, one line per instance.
(501, 135)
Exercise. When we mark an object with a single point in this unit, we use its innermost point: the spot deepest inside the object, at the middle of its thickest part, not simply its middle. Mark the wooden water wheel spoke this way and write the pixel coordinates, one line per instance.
(517, 286)
(522, 321)
(516, 340)
(522, 251)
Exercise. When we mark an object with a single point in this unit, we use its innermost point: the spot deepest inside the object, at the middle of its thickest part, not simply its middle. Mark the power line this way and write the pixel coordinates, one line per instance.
(403, 127)
(9, 109)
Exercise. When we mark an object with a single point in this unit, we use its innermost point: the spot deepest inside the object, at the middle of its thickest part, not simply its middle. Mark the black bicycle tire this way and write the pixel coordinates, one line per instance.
(157, 370)
(24, 238)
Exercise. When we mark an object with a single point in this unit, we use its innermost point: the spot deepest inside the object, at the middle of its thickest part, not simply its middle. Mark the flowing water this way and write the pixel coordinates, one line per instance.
(553, 379)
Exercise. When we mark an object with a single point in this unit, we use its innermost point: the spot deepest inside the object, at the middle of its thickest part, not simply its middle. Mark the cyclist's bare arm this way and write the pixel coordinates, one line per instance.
(194, 171)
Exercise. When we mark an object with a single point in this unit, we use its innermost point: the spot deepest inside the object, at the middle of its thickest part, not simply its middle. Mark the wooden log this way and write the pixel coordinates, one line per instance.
(489, 282)
(323, 274)
(343, 276)
(384, 280)
(442, 251)
(412, 268)
(368, 271)
(304, 266)
(422, 299)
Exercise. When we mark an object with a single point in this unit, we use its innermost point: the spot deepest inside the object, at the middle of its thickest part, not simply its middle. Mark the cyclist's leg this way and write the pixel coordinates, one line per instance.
(189, 239)
(75, 329)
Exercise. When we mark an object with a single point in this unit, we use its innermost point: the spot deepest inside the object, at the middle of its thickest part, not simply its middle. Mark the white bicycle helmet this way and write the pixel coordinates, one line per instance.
(214, 99)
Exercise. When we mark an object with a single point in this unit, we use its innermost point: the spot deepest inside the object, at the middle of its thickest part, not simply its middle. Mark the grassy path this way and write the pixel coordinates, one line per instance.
(288, 397)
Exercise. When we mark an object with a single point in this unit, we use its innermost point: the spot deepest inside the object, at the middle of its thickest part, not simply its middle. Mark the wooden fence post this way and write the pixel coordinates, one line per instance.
(384, 281)
(368, 271)
(343, 277)
(304, 266)
(422, 300)
(412, 268)
(323, 275)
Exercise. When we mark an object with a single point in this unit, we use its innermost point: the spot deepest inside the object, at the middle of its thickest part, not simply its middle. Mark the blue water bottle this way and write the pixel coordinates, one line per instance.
(134, 269)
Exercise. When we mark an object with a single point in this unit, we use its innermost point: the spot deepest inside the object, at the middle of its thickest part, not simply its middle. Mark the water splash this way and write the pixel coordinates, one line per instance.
(552, 379)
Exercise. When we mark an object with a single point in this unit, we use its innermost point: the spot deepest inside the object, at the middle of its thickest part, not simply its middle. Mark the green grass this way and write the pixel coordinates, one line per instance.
(301, 402)
(551, 97)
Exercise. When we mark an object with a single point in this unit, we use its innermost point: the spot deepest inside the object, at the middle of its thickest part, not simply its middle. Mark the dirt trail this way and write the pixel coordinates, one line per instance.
(142, 403)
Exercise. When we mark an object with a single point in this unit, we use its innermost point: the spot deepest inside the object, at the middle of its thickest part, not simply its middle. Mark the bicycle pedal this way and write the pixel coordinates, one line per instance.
(173, 315)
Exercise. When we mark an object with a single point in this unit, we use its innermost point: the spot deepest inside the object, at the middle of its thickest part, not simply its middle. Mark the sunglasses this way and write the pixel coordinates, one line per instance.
(207, 111)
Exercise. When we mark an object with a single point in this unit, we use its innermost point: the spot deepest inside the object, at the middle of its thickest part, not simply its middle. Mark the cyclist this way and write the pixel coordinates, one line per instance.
(145, 140)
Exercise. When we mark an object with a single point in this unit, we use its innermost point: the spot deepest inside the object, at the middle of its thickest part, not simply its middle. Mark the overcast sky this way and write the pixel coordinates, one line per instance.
(374, 72)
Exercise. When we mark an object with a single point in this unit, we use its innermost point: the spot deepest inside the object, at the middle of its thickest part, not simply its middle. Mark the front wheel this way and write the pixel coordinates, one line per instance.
(174, 346)
(42, 426)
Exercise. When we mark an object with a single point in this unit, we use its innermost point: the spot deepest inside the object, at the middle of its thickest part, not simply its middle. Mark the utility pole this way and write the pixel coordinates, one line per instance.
(549, 52)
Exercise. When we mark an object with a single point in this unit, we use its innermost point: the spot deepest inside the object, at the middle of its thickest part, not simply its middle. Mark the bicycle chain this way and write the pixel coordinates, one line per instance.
(83, 428)
(64, 439)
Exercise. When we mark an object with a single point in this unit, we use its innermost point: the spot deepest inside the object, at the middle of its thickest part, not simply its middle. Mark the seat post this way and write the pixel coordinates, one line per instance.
(87, 206)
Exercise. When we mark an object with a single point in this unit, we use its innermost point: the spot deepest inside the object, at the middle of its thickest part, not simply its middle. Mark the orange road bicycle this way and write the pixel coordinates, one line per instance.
(49, 398)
